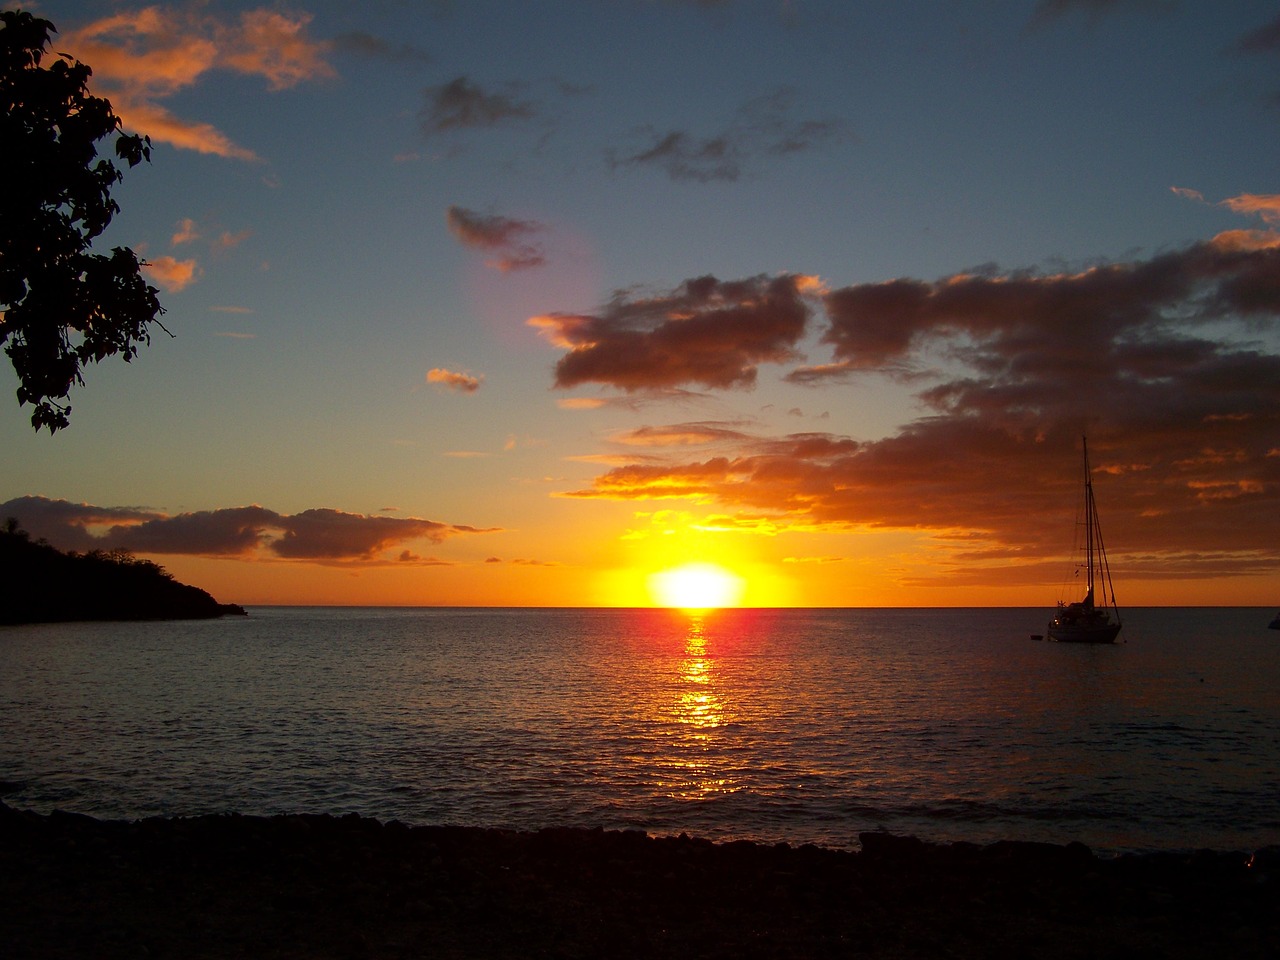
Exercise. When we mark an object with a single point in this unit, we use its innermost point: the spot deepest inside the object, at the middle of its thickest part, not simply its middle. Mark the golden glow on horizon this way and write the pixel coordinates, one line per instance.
(696, 586)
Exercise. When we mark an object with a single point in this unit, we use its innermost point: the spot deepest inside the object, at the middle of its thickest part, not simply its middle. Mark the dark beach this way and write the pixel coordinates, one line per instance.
(325, 886)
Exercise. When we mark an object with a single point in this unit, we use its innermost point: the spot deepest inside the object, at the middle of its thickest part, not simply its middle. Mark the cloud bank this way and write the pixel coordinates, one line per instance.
(1169, 364)
(320, 535)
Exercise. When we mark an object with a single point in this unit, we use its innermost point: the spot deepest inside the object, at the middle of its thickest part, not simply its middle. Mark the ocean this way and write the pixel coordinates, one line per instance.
(797, 726)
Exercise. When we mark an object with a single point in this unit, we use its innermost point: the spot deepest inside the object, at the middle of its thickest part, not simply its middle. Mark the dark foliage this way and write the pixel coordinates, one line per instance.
(63, 305)
(39, 584)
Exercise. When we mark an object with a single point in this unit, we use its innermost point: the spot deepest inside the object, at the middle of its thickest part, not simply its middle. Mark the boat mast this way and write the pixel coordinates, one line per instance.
(1094, 545)
(1089, 524)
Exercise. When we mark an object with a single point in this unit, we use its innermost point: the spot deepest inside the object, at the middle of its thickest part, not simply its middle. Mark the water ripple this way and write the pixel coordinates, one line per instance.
(804, 726)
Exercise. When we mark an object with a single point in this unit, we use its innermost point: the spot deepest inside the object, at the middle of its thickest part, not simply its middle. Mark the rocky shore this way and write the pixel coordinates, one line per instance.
(339, 887)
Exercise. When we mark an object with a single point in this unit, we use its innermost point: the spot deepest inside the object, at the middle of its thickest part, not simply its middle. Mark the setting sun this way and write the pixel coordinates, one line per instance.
(696, 586)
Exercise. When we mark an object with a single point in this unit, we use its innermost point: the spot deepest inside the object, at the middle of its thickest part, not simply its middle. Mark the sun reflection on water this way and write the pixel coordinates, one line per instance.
(697, 748)
(699, 707)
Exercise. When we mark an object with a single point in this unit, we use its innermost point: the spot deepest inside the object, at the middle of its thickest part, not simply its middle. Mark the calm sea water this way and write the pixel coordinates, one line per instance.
(797, 725)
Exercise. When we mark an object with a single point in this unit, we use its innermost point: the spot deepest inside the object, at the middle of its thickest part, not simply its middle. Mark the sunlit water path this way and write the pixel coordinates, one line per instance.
(803, 726)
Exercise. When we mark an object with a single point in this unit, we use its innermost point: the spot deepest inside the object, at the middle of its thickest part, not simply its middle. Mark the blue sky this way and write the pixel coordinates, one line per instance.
(356, 215)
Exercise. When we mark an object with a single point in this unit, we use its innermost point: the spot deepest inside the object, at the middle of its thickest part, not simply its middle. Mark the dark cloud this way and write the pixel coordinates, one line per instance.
(1168, 364)
(325, 534)
(506, 238)
(1047, 11)
(233, 532)
(460, 104)
(70, 526)
(364, 44)
(1265, 39)
(767, 121)
(709, 332)
(321, 535)
(685, 157)
(1045, 345)
(761, 127)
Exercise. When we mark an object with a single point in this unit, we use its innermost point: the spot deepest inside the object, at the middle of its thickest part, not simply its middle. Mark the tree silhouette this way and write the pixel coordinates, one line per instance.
(43, 585)
(63, 305)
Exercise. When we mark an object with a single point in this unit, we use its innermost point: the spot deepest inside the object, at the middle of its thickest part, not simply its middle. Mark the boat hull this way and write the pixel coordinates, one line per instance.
(1083, 633)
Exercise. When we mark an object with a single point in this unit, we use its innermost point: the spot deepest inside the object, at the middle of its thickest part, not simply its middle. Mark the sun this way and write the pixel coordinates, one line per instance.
(696, 586)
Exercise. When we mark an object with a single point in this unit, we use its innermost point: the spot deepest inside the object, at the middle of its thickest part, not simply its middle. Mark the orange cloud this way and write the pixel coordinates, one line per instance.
(1246, 240)
(1263, 205)
(186, 232)
(681, 434)
(144, 56)
(162, 127)
(274, 45)
(1266, 206)
(171, 274)
(451, 380)
(229, 241)
(154, 49)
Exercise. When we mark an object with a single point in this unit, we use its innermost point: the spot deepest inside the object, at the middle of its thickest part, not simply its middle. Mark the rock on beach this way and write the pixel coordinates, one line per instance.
(320, 886)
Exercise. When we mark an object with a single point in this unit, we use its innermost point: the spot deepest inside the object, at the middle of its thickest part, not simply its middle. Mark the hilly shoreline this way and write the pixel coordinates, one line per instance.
(41, 584)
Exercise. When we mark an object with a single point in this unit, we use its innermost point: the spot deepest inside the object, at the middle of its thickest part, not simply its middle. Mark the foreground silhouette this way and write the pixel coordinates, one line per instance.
(64, 306)
(39, 584)
(324, 887)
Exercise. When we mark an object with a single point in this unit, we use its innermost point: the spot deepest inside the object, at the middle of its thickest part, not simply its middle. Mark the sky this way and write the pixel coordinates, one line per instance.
(527, 303)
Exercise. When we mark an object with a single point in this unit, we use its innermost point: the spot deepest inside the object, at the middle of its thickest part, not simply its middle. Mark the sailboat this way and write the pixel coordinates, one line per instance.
(1089, 620)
